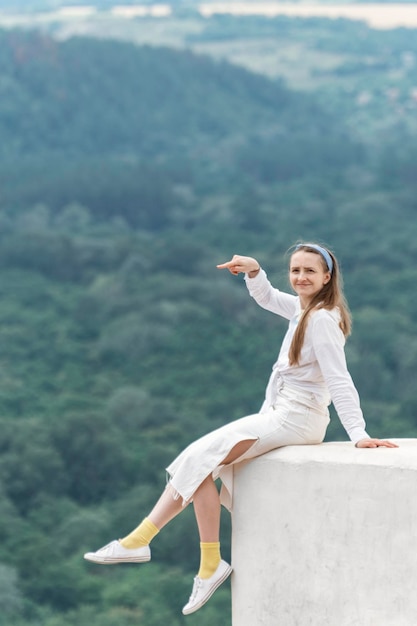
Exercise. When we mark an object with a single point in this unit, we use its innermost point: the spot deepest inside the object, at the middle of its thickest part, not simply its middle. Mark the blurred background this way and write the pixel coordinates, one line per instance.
(140, 145)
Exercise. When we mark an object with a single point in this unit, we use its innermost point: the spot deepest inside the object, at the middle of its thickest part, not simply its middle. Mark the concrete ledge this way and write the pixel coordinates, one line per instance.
(326, 536)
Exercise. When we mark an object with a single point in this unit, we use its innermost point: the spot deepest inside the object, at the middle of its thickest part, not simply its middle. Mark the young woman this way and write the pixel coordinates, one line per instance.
(309, 373)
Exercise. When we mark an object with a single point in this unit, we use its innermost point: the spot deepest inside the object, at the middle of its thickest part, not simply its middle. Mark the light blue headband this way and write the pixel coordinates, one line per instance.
(326, 256)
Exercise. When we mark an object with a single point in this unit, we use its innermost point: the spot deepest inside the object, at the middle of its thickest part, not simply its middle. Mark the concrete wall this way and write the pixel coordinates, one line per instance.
(326, 536)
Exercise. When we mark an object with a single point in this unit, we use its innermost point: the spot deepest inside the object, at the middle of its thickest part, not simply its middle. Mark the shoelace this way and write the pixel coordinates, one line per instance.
(196, 587)
(105, 547)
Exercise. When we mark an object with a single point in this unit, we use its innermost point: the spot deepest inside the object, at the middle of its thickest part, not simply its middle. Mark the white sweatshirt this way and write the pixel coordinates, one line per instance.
(322, 368)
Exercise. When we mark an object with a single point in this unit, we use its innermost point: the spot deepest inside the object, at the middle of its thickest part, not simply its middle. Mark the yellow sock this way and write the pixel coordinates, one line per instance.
(141, 536)
(209, 559)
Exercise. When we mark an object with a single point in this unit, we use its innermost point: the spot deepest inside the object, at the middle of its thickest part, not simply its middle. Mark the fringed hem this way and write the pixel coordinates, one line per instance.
(176, 495)
(223, 472)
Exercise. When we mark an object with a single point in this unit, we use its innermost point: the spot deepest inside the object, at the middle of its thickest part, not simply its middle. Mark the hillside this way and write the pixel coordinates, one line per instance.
(83, 114)
(367, 73)
(126, 174)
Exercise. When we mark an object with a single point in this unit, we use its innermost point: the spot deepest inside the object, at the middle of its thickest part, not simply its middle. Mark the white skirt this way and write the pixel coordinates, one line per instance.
(296, 418)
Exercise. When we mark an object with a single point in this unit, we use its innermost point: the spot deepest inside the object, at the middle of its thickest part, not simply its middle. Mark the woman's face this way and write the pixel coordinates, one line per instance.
(307, 275)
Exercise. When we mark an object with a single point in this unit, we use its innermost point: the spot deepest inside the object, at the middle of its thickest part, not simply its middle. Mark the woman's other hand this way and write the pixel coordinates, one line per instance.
(375, 443)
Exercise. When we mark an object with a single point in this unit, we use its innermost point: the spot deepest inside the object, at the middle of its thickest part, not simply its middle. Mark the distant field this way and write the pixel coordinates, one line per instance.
(295, 60)
(376, 15)
(310, 53)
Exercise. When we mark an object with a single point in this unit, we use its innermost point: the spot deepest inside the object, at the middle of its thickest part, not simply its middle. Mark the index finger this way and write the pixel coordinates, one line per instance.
(224, 265)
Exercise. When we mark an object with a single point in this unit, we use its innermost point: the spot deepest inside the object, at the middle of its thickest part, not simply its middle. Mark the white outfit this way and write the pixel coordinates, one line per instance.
(295, 407)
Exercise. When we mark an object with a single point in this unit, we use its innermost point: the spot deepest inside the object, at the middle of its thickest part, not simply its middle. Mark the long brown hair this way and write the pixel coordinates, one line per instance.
(329, 297)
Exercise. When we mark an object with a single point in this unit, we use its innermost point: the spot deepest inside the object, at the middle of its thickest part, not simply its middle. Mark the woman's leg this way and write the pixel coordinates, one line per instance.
(213, 570)
(206, 507)
(207, 501)
(166, 508)
(134, 547)
(206, 498)
(237, 451)
(207, 511)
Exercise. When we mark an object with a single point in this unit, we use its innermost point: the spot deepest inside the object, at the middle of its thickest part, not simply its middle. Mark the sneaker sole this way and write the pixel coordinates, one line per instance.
(208, 596)
(115, 561)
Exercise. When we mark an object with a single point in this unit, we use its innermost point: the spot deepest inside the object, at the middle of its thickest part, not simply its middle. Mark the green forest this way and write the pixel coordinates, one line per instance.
(126, 174)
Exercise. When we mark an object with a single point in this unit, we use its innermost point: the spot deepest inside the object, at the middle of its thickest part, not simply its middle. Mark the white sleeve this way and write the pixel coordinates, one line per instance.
(269, 297)
(328, 342)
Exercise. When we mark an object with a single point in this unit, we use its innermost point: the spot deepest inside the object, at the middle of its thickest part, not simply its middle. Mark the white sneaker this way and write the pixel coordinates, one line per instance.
(114, 552)
(204, 588)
